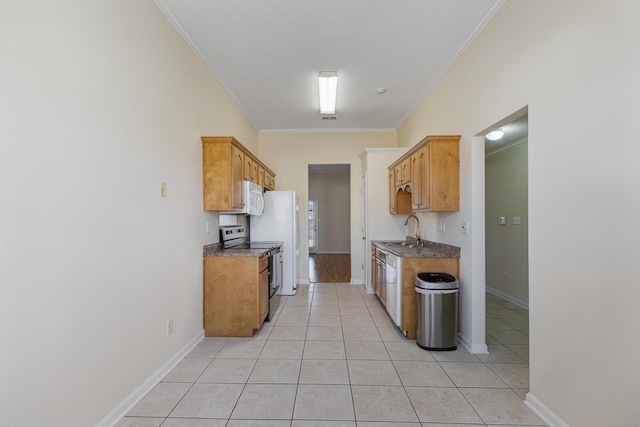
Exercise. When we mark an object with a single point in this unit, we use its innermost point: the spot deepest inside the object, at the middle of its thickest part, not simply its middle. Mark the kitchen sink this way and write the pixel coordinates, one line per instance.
(401, 244)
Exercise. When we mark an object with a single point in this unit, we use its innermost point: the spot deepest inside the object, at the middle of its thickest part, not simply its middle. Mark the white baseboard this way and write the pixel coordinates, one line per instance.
(507, 297)
(130, 401)
(543, 412)
(473, 348)
(303, 282)
(356, 282)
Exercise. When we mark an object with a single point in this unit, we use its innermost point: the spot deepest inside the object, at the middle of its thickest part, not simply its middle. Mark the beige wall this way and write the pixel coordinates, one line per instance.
(289, 154)
(333, 191)
(506, 195)
(379, 223)
(105, 101)
(575, 64)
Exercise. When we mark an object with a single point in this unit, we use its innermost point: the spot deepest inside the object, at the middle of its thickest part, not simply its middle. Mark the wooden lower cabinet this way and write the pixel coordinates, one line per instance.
(411, 267)
(236, 295)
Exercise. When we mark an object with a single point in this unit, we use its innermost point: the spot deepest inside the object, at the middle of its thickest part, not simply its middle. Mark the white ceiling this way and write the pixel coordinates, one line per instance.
(268, 53)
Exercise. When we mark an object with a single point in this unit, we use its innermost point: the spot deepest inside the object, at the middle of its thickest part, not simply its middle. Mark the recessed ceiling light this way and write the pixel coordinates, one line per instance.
(495, 135)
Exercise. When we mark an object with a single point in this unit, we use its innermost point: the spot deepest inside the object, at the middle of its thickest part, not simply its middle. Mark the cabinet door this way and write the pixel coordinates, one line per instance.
(373, 271)
(397, 173)
(250, 170)
(269, 181)
(260, 181)
(420, 182)
(247, 169)
(444, 173)
(405, 171)
(382, 285)
(255, 168)
(237, 164)
(392, 191)
(263, 299)
(380, 280)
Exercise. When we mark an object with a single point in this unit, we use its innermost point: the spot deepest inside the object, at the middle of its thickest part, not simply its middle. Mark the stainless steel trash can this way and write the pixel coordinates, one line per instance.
(437, 295)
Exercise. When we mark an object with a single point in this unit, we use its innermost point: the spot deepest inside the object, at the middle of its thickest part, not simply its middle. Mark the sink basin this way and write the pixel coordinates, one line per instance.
(404, 244)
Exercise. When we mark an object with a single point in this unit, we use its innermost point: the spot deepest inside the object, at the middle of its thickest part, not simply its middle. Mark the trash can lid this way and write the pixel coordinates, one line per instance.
(436, 281)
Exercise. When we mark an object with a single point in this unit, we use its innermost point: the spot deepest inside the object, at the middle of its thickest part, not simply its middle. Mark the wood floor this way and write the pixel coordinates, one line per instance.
(329, 268)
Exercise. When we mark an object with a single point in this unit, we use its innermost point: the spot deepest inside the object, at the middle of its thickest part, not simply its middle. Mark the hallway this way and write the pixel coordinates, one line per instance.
(329, 268)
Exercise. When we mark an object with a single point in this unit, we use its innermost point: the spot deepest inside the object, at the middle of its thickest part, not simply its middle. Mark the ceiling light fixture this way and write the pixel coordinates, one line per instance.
(328, 85)
(495, 135)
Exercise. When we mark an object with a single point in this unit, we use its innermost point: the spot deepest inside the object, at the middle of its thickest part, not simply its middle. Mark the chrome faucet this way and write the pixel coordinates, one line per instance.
(417, 236)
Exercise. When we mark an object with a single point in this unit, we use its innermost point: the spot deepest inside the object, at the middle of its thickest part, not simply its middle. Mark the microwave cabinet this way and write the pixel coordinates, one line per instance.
(225, 164)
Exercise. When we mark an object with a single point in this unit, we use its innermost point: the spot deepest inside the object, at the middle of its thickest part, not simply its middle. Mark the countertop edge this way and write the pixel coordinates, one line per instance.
(429, 250)
(215, 250)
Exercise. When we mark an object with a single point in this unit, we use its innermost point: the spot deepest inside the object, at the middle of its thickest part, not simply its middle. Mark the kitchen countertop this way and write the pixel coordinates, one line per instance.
(428, 250)
(214, 249)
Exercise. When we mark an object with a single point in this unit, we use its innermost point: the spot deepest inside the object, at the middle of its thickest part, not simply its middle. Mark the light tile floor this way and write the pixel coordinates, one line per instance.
(332, 357)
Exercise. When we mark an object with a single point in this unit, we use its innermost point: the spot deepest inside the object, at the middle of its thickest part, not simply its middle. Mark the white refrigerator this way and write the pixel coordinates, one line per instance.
(279, 222)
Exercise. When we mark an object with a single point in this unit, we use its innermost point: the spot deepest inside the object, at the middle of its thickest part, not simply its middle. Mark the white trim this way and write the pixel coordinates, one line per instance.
(473, 348)
(303, 282)
(356, 282)
(541, 410)
(507, 147)
(130, 401)
(383, 150)
(507, 297)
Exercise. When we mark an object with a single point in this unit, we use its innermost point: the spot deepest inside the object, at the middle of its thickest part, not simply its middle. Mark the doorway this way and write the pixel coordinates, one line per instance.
(329, 202)
(313, 225)
(506, 213)
(506, 241)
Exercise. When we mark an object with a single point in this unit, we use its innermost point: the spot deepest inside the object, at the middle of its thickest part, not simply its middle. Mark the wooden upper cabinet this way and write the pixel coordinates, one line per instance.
(225, 164)
(434, 167)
